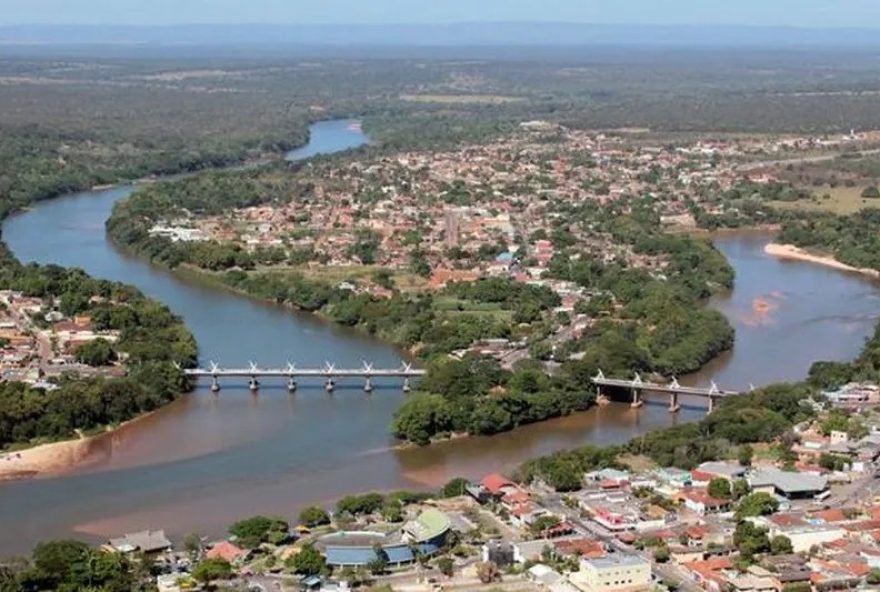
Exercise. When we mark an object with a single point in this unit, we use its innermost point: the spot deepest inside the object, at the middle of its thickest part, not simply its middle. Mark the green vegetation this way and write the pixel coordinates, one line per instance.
(314, 516)
(210, 570)
(156, 342)
(68, 566)
(96, 353)
(849, 239)
(476, 396)
(252, 532)
(756, 504)
(308, 561)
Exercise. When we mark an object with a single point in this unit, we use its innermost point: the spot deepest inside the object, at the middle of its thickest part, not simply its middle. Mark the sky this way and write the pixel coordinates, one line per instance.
(800, 13)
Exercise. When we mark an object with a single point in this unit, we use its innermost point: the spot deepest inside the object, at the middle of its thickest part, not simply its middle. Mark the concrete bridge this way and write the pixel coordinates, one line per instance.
(329, 372)
(637, 386)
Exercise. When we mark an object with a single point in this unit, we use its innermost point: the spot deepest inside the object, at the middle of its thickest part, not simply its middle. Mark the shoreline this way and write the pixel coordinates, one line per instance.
(793, 253)
(58, 458)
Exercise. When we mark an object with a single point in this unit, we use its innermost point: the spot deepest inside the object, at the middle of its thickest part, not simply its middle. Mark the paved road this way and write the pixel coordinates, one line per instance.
(752, 166)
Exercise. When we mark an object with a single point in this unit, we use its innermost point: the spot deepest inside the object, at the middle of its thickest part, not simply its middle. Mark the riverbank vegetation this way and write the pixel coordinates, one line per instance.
(852, 239)
(153, 341)
(765, 416)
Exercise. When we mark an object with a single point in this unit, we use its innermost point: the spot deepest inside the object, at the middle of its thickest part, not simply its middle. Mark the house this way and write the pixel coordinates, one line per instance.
(581, 547)
(702, 503)
(709, 574)
(787, 484)
(145, 541)
(544, 575)
(802, 533)
(228, 551)
(718, 470)
(501, 553)
(618, 572)
(497, 485)
(530, 550)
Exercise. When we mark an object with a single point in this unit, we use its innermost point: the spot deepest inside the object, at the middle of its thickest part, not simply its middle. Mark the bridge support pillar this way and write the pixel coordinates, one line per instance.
(407, 387)
(254, 384)
(215, 385)
(711, 404)
(674, 407)
(329, 385)
(291, 385)
(637, 398)
(368, 385)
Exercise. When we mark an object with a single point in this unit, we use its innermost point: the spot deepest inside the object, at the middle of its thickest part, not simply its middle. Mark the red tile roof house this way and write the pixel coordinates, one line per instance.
(515, 498)
(702, 503)
(497, 485)
(581, 547)
(226, 550)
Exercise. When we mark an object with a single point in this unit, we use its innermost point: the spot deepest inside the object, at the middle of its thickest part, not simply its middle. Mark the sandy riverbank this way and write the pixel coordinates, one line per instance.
(798, 254)
(45, 460)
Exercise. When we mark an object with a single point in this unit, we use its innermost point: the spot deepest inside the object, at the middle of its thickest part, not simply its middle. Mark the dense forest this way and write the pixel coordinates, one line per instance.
(69, 124)
(156, 344)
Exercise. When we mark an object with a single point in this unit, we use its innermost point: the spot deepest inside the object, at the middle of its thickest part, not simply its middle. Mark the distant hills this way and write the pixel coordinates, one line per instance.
(445, 35)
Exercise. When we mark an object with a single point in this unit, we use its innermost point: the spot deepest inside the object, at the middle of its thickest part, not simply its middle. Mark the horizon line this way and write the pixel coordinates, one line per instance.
(452, 23)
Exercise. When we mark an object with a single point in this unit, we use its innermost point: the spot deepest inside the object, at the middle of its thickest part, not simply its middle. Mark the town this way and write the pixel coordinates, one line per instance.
(806, 518)
(41, 343)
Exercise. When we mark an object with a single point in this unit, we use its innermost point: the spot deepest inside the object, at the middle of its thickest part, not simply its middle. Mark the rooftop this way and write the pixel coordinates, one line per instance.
(787, 482)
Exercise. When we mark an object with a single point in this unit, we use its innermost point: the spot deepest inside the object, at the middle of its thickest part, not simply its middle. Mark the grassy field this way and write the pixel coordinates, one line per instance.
(404, 281)
(840, 200)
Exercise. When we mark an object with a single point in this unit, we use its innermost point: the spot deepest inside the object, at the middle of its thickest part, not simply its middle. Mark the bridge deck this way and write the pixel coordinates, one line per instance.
(303, 373)
(664, 388)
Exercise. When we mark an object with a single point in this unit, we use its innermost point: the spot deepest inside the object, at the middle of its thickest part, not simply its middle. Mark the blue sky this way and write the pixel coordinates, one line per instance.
(803, 13)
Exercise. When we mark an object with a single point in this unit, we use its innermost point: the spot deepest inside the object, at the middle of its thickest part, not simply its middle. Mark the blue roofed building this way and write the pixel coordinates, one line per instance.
(424, 536)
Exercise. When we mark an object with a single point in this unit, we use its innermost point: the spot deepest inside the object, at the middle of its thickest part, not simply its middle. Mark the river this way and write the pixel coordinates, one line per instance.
(207, 460)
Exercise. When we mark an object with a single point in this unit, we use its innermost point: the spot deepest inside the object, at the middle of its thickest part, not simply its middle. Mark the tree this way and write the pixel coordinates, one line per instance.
(379, 563)
(780, 545)
(543, 523)
(756, 504)
(750, 540)
(192, 544)
(314, 516)
(252, 532)
(420, 417)
(488, 572)
(873, 577)
(661, 554)
(446, 566)
(97, 352)
(720, 487)
(871, 192)
(308, 561)
(740, 489)
(455, 487)
(211, 570)
(360, 504)
(745, 454)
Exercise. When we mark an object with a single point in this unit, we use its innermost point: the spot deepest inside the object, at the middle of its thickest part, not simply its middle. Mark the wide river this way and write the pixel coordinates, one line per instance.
(207, 460)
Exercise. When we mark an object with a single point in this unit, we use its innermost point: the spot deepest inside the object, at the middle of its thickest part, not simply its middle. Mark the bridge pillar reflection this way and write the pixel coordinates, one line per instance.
(636, 398)
(674, 407)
